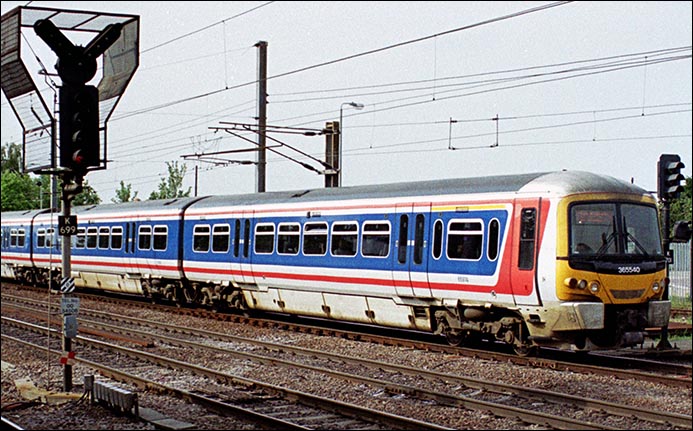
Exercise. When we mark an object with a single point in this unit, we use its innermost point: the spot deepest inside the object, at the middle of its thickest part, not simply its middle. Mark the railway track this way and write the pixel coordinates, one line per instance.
(263, 403)
(476, 394)
(650, 365)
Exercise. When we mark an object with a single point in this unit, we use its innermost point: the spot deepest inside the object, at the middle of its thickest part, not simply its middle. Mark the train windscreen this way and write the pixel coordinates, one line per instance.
(614, 229)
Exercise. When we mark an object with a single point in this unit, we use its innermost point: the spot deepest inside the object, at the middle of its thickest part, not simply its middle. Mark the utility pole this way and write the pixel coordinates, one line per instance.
(262, 115)
(332, 152)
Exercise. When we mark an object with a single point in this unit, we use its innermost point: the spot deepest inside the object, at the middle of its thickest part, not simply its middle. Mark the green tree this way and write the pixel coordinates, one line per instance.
(22, 191)
(43, 190)
(87, 196)
(18, 192)
(172, 187)
(11, 158)
(681, 208)
(124, 194)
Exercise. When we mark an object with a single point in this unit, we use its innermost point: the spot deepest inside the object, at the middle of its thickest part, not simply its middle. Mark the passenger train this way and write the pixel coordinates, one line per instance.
(571, 260)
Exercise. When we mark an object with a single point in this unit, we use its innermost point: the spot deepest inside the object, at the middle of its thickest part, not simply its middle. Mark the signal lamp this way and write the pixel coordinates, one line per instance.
(669, 176)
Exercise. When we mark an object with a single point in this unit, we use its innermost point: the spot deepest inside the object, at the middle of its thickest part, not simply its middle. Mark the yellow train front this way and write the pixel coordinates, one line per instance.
(610, 270)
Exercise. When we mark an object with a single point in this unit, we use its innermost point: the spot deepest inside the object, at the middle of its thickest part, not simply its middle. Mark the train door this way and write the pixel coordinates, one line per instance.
(245, 251)
(130, 246)
(525, 248)
(410, 260)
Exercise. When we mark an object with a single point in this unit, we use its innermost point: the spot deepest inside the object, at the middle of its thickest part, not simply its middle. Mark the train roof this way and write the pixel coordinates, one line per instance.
(552, 183)
(174, 205)
(559, 183)
(9, 217)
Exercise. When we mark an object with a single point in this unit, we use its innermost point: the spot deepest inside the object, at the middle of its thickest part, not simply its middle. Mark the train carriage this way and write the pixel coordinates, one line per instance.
(133, 247)
(18, 245)
(565, 259)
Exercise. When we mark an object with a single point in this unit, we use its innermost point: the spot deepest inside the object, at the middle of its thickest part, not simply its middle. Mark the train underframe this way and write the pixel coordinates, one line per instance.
(467, 324)
(460, 324)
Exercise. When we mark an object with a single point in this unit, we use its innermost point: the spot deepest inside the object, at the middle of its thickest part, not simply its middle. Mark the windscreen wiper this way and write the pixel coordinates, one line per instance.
(606, 241)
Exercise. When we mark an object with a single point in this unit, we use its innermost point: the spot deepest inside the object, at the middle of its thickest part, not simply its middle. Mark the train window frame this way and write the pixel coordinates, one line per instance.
(116, 232)
(438, 231)
(288, 238)
(92, 237)
(51, 239)
(246, 238)
(493, 229)
(237, 237)
(375, 250)
(21, 238)
(40, 238)
(315, 237)
(105, 233)
(201, 238)
(419, 238)
(144, 238)
(341, 231)
(80, 238)
(527, 245)
(225, 237)
(475, 250)
(403, 239)
(159, 237)
(263, 245)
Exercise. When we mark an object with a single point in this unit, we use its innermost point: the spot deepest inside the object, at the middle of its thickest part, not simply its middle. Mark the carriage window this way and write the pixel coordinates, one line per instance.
(92, 236)
(375, 239)
(493, 239)
(50, 237)
(104, 238)
(21, 237)
(221, 234)
(289, 238)
(464, 239)
(527, 237)
(41, 238)
(201, 238)
(116, 238)
(315, 238)
(246, 235)
(160, 238)
(237, 238)
(264, 238)
(437, 239)
(344, 239)
(403, 238)
(81, 237)
(419, 238)
(144, 238)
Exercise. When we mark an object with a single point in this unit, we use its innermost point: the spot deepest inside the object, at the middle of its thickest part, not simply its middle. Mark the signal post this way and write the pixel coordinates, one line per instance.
(79, 143)
(83, 113)
(669, 187)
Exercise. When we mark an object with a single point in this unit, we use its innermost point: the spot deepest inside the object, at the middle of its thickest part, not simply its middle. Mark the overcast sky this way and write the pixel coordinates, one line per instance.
(596, 86)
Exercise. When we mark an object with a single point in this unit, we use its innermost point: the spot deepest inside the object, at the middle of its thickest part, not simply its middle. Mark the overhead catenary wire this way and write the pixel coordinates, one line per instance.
(349, 57)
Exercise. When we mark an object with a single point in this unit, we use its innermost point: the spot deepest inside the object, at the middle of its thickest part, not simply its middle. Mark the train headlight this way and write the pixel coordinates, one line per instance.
(570, 282)
(655, 287)
(594, 287)
(582, 284)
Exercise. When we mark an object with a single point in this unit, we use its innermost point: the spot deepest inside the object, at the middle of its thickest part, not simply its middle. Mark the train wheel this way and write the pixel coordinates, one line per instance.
(525, 350)
(454, 338)
(191, 294)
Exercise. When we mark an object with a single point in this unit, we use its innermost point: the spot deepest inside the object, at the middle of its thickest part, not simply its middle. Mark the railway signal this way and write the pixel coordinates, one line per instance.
(79, 127)
(79, 103)
(669, 177)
